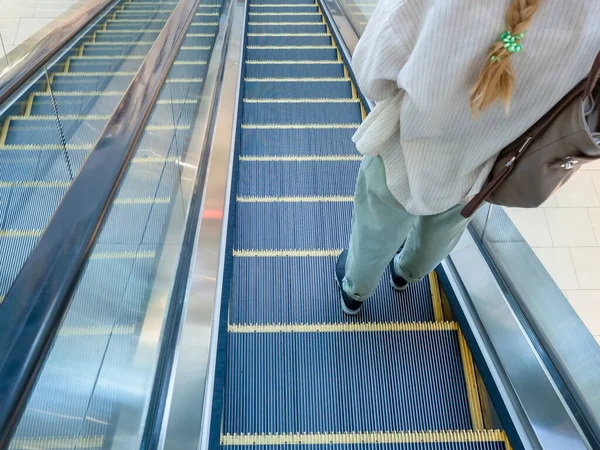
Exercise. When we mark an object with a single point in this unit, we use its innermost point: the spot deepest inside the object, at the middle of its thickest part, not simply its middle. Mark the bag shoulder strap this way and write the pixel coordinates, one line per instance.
(592, 77)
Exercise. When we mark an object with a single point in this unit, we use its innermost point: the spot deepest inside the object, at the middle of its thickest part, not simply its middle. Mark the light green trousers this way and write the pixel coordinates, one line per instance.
(379, 227)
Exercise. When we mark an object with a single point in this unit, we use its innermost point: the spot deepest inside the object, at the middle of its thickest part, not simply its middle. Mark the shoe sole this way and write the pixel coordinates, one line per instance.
(345, 310)
(398, 288)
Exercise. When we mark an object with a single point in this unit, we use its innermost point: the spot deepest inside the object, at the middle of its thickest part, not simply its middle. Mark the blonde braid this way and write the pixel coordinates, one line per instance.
(496, 79)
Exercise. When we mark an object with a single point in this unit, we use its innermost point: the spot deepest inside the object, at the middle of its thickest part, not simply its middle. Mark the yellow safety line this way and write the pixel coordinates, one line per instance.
(308, 126)
(303, 158)
(286, 23)
(51, 443)
(344, 327)
(471, 382)
(29, 104)
(154, 159)
(108, 94)
(287, 34)
(125, 43)
(97, 331)
(289, 5)
(1, 298)
(284, 13)
(95, 74)
(123, 255)
(34, 147)
(156, 20)
(279, 62)
(296, 80)
(142, 201)
(375, 437)
(331, 199)
(152, 31)
(67, 65)
(20, 233)
(34, 184)
(102, 57)
(285, 253)
(436, 298)
(289, 47)
(64, 117)
(300, 100)
(4, 131)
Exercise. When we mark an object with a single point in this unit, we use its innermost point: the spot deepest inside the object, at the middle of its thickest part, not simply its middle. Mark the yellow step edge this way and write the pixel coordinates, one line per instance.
(52, 443)
(287, 34)
(345, 327)
(375, 437)
(285, 13)
(286, 253)
(112, 44)
(300, 100)
(119, 330)
(308, 126)
(436, 297)
(287, 23)
(297, 80)
(151, 31)
(471, 383)
(289, 47)
(303, 158)
(284, 5)
(34, 184)
(109, 94)
(279, 62)
(331, 199)
(123, 255)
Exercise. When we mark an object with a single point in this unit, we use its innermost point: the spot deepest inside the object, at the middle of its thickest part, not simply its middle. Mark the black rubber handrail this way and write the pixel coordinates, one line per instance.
(17, 74)
(40, 295)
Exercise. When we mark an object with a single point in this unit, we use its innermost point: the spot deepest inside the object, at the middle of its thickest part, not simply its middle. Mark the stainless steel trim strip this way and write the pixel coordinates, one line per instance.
(193, 378)
(539, 413)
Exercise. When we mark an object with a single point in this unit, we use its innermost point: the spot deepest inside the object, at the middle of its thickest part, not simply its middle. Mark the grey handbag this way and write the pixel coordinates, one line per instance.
(530, 169)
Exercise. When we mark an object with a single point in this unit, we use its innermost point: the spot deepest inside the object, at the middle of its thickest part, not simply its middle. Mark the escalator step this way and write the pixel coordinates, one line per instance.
(196, 27)
(301, 113)
(300, 142)
(131, 49)
(342, 382)
(296, 17)
(301, 40)
(298, 88)
(135, 15)
(327, 53)
(278, 2)
(259, 179)
(254, 27)
(254, 8)
(282, 69)
(147, 36)
(299, 226)
(149, 5)
(299, 290)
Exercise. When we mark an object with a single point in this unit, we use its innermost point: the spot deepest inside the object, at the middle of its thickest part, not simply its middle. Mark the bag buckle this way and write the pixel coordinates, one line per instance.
(569, 163)
(512, 160)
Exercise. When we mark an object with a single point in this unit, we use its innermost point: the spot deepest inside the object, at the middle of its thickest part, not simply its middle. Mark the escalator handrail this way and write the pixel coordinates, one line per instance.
(17, 74)
(39, 298)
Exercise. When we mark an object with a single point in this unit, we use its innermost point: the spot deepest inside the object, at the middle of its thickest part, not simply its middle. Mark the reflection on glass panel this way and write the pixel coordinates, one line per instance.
(358, 12)
(95, 384)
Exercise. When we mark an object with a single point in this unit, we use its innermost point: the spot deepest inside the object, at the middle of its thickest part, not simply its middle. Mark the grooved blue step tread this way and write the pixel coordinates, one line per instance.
(285, 226)
(258, 18)
(147, 36)
(296, 70)
(303, 290)
(301, 113)
(109, 49)
(196, 70)
(322, 39)
(298, 89)
(117, 83)
(316, 382)
(283, 9)
(303, 142)
(304, 54)
(277, 2)
(194, 27)
(275, 28)
(39, 165)
(297, 178)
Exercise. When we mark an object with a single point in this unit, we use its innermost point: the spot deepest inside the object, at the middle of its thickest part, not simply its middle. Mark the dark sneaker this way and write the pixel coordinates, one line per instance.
(398, 283)
(349, 305)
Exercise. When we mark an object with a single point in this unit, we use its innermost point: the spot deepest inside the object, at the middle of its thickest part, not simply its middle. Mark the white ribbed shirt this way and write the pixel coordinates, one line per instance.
(419, 59)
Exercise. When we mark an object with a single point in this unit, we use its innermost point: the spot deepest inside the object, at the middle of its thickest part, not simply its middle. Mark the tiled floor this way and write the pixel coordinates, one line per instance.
(21, 19)
(565, 235)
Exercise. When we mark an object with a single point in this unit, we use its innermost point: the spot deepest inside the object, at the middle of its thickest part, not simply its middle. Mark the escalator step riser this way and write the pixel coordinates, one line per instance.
(103, 105)
(279, 29)
(285, 226)
(157, 26)
(149, 36)
(297, 178)
(294, 70)
(301, 113)
(320, 40)
(308, 54)
(283, 9)
(259, 18)
(298, 89)
(303, 290)
(301, 142)
(307, 382)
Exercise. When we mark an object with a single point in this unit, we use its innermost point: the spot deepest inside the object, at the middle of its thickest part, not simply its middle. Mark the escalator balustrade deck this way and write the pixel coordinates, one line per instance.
(300, 374)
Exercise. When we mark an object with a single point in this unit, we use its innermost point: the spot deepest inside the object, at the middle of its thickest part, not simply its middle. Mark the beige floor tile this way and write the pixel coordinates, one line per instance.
(597, 339)
(587, 305)
(570, 227)
(51, 10)
(550, 203)
(559, 264)
(587, 266)
(29, 26)
(578, 191)
(594, 214)
(532, 224)
(8, 30)
(591, 166)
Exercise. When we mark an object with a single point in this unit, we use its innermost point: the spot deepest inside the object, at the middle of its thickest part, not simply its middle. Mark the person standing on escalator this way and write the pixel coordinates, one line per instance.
(449, 95)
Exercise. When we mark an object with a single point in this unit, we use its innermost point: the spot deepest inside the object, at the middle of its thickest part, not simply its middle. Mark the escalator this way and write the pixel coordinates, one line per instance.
(291, 370)
(299, 373)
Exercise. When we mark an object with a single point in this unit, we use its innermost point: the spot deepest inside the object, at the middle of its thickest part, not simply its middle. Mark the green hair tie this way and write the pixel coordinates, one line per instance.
(512, 43)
